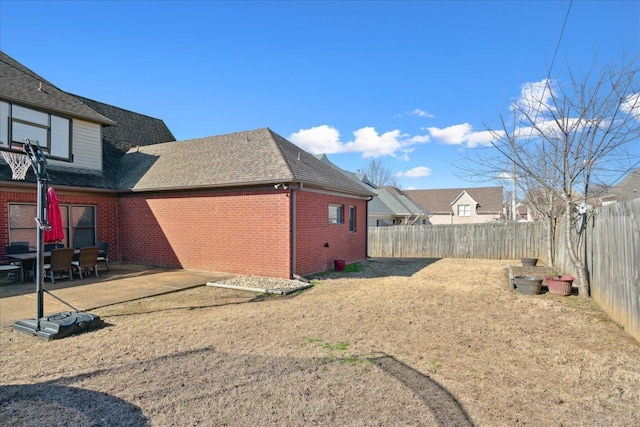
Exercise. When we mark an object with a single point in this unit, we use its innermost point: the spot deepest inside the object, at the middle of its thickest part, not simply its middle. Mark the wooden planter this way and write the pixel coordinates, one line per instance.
(559, 285)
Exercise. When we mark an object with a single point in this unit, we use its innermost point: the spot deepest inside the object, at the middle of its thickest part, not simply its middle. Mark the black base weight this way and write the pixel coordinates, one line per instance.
(59, 325)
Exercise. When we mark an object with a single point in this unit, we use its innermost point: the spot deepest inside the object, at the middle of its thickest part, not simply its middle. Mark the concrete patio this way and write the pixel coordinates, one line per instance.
(123, 282)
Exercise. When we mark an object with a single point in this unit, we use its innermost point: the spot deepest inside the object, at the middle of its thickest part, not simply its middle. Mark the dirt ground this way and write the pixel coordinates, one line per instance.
(403, 342)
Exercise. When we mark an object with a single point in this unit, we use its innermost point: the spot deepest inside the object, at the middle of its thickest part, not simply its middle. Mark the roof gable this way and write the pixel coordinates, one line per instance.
(439, 201)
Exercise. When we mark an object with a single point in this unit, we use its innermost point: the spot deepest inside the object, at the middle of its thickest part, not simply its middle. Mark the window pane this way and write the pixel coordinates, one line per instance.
(352, 218)
(59, 137)
(4, 122)
(336, 215)
(83, 237)
(23, 131)
(82, 216)
(29, 115)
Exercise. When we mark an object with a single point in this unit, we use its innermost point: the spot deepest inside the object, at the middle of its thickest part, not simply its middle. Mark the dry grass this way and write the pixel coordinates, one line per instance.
(401, 342)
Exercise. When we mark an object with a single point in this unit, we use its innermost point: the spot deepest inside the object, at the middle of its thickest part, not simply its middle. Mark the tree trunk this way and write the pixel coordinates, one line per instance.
(550, 229)
(576, 262)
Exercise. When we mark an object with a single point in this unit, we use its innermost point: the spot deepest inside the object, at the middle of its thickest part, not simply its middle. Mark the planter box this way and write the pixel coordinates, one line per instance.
(560, 285)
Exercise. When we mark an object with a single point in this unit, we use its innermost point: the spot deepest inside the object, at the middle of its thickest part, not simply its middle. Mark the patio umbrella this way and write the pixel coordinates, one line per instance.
(56, 233)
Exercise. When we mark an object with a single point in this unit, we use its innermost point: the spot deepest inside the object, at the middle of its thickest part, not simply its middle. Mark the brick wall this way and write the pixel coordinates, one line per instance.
(243, 232)
(106, 207)
(313, 231)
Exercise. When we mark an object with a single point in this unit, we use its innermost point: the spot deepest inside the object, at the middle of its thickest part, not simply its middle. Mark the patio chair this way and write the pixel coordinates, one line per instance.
(51, 246)
(103, 256)
(87, 260)
(61, 261)
(15, 248)
(12, 269)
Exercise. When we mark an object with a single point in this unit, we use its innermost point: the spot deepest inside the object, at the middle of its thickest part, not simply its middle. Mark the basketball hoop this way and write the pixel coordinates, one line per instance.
(19, 164)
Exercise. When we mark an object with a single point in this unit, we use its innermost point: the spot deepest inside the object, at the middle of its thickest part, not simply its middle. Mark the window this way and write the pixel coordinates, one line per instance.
(79, 223)
(464, 210)
(18, 123)
(352, 219)
(336, 214)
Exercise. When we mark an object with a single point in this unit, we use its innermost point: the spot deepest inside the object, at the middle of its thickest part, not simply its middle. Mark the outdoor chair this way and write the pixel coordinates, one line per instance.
(12, 269)
(103, 256)
(87, 260)
(60, 262)
(27, 266)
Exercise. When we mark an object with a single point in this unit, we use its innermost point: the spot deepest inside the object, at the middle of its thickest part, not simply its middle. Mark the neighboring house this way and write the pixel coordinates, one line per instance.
(628, 188)
(390, 206)
(248, 202)
(460, 205)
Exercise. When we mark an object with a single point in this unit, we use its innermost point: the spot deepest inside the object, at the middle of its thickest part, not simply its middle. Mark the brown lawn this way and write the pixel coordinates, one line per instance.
(402, 342)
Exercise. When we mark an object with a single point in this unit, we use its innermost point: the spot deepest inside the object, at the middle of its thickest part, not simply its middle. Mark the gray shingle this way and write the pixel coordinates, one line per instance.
(238, 159)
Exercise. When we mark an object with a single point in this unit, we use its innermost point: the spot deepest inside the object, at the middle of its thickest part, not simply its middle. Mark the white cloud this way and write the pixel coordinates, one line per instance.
(421, 113)
(326, 139)
(535, 98)
(416, 172)
(462, 134)
(318, 140)
(631, 105)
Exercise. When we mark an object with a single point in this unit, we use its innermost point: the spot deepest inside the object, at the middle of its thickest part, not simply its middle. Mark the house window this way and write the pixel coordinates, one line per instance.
(78, 222)
(18, 123)
(464, 210)
(336, 214)
(352, 219)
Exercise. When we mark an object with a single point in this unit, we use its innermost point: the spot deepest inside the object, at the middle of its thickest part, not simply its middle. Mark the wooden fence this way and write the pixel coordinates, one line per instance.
(490, 240)
(611, 248)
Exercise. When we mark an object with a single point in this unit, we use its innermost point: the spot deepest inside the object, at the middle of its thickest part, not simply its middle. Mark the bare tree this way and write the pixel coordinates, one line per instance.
(570, 138)
(379, 174)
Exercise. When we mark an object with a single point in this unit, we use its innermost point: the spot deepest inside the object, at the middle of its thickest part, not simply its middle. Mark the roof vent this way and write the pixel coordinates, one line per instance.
(298, 155)
(40, 86)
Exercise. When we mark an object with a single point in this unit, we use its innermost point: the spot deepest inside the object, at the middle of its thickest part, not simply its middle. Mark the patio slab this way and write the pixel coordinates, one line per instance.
(123, 282)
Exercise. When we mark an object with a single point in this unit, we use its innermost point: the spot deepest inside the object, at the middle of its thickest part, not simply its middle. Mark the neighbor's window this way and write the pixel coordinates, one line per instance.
(336, 214)
(81, 233)
(52, 132)
(464, 210)
(352, 218)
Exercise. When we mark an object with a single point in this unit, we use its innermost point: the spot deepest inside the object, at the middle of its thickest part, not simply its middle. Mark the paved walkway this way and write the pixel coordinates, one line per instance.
(124, 282)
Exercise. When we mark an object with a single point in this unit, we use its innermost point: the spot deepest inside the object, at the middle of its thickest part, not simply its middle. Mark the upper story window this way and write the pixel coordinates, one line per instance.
(18, 123)
(336, 214)
(464, 210)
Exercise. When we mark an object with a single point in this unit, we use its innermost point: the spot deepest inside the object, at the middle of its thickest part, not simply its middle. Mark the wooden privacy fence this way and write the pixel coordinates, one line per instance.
(611, 249)
(612, 253)
(490, 240)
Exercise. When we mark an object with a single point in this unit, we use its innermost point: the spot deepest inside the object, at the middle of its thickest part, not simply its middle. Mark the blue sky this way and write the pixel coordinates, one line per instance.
(412, 83)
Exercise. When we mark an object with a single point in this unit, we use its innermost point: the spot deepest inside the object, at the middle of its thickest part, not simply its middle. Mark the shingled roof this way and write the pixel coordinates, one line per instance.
(20, 84)
(439, 201)
(255, 157)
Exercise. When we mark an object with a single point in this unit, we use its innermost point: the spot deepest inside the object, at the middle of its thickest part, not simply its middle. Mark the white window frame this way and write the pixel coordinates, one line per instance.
(336, 214)
(464, 210)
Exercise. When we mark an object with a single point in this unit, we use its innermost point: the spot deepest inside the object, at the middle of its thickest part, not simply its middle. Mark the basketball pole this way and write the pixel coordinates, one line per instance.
(62, 324)
(39, 166)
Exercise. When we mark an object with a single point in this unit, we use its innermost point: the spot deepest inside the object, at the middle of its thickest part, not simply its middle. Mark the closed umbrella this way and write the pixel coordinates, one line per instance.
(56, 233)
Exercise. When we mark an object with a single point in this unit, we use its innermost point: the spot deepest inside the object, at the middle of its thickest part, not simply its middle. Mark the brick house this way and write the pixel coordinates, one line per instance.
(460, 205)
(248, 202)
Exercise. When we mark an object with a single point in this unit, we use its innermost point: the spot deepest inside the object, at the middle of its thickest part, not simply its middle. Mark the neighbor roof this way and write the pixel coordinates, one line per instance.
(255, 157)
(439, 201)
(21, 85)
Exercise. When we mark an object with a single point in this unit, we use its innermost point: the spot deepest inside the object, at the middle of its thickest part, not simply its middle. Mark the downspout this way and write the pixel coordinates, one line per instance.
(293, 228)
